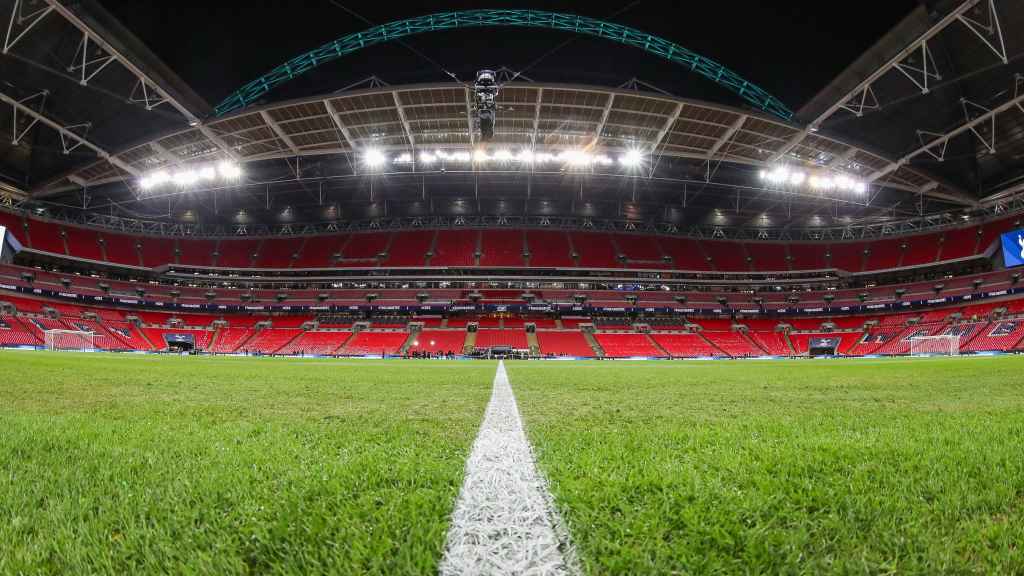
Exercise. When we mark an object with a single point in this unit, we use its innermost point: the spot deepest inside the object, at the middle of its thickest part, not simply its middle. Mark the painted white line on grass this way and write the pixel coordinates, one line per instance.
(504, 520)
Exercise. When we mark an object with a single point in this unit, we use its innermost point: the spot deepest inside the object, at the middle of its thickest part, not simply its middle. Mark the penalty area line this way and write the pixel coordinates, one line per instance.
(504, 520)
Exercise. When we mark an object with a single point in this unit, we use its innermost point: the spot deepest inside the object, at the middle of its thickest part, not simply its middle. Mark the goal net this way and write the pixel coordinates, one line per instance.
(942, 345)
(70, 340)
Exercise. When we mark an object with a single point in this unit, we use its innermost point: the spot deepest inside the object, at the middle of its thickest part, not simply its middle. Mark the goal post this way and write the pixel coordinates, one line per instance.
(70, 340)
(941, 345)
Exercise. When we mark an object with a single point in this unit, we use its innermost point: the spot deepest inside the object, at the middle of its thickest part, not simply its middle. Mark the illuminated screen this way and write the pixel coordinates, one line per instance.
(1013, 248)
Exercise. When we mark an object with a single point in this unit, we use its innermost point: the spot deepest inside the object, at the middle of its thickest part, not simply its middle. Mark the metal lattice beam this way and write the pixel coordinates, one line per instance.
(66, 132)
(753, 94)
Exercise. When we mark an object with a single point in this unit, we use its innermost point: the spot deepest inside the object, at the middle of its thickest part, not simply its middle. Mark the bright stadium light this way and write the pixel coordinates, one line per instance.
(404, 158)
(480, 156)
(525, 156)
(819, 181)
(229, 170)
(631, 159)
(374, 158)
(427, 158)
(503, 155)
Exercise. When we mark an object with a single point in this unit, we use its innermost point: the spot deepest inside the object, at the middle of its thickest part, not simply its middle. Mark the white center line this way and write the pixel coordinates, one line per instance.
(504, 520)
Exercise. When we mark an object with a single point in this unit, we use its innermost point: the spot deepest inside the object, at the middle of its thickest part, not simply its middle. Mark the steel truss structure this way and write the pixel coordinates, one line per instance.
(1004, 208)
(71, 136)
(979, 121)
(93, 55)
(538, 117)
(351, 43)
(916, 63)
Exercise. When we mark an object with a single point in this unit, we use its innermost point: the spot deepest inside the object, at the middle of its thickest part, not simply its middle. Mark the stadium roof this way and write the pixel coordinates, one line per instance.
(148, 119)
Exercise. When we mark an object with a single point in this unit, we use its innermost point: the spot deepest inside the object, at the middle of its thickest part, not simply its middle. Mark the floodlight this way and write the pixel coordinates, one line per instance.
(631, 158)
(374, 158)
(427, 158)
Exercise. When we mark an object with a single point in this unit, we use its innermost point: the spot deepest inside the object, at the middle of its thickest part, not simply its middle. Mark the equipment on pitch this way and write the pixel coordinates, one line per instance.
(76, 340)
(941, 345)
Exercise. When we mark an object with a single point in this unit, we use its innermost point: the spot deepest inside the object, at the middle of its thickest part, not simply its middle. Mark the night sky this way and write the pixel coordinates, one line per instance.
(792, 48)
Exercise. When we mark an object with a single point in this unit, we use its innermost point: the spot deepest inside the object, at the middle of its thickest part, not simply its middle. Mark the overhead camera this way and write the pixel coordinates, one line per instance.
(485, 89)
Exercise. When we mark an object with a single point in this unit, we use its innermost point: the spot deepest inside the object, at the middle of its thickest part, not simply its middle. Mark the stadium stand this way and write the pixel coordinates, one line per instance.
(595, 250)
(501, 248)
(373, 343)
(84, 243)
(493, 337)
(409, 248)
(229, 340)
(455, 248)
(315, 343)
(549, 249)
(734, 344)
(157, 251)
(46, 236)
(564, 344)
(686, 345)
(197, 251)
(627, 345)
(278, 252)
(439, 341)
(270, 340)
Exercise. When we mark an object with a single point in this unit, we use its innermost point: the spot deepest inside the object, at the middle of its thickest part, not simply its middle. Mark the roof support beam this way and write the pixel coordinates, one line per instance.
(66, 134)
(943, 139)
(790, 144)
(164, 153)
(278, 131)
(727, 136)
(604, 118)
(333, 113)
(862, 96)
(143, 78)
(217, 140)
(25, 21)
(669, 123)
(469, 119)
(401, 116)
(536, 118)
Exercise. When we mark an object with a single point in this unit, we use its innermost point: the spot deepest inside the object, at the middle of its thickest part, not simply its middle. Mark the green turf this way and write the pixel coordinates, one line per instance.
(144, 464)
(850, 467)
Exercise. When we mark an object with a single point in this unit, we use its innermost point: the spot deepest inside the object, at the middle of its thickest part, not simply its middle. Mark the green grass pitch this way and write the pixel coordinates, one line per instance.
(912, 466)
(171, 465)
(146, 464)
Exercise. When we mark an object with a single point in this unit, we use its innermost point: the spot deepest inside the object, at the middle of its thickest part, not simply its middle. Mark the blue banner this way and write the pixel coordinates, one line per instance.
(1013, 248)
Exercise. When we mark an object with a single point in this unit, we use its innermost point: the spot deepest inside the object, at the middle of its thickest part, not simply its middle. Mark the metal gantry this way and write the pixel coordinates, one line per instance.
(748, 91)
(1005, 208)
(976, 116)
(922, 74)
(70, 139)
(93, 55)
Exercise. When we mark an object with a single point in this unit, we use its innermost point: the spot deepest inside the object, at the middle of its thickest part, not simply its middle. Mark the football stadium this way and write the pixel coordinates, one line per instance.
(541, 288)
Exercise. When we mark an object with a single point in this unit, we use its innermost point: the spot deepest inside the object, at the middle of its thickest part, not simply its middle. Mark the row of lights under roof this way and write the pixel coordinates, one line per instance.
(818, 181)
(189, 176)
(374, 158)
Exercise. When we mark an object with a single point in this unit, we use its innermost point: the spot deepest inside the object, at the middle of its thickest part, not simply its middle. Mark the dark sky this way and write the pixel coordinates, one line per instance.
(792, 48)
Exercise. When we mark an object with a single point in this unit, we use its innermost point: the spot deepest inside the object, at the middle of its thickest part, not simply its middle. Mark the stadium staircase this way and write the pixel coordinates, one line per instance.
(142, 333)
(431, 251)
(246, 340)
(754, 343)
(534, 344)
(589, 337)
(213, 341)
(413, 333)
(470, 344)
(713, 345)
(344, 343)
(789, 343)
(656, 345)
